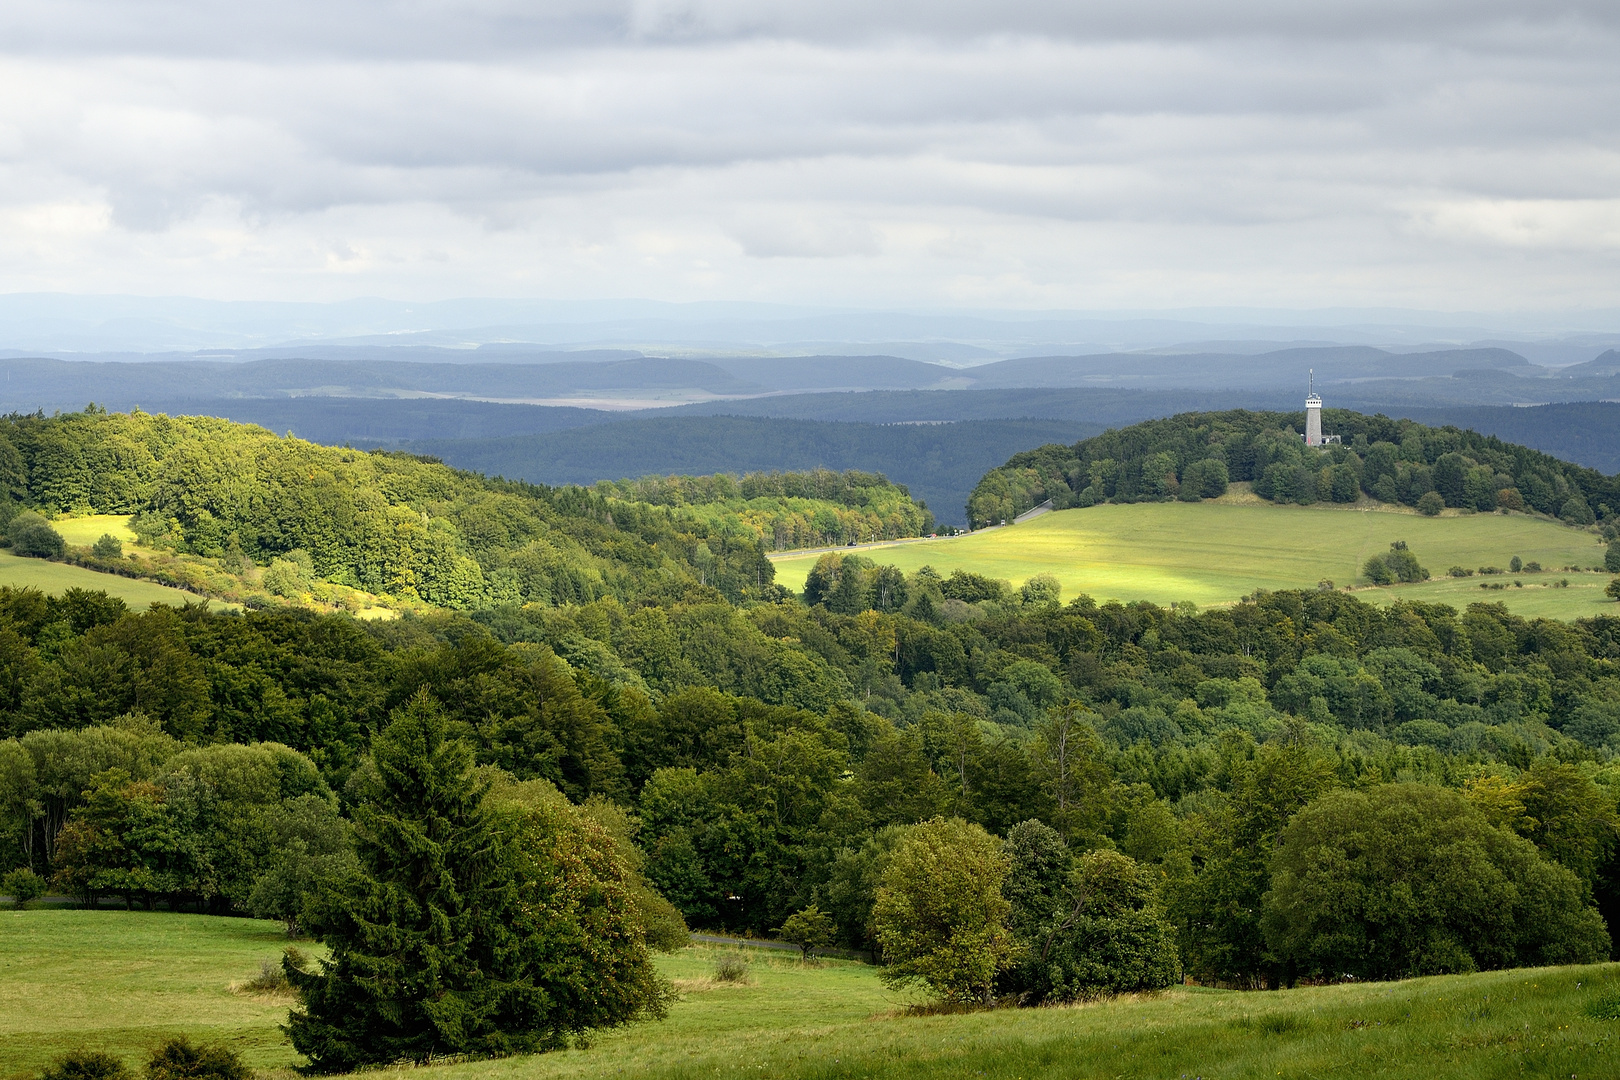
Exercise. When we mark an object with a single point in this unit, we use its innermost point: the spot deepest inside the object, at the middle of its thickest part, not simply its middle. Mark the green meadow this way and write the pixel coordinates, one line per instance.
(87, 529)
(1219, 551)
(54, 577)
(120, 981)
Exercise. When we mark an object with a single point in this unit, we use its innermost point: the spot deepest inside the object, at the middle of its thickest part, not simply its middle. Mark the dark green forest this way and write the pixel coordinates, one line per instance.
(1147, 791)
(1394, 461)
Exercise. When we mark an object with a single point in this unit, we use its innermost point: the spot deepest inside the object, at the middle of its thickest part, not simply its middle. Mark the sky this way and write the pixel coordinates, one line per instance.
(1022, 154)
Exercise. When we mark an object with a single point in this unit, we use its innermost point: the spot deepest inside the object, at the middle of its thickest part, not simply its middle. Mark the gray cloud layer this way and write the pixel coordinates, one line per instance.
(1450, 154)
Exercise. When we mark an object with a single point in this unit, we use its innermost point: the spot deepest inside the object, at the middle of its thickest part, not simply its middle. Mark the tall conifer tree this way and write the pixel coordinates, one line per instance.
(419, 953)
(477, 926)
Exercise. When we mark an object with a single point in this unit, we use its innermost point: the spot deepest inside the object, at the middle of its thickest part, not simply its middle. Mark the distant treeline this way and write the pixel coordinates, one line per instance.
(938, 463)
(787, 510)
(1193, 455)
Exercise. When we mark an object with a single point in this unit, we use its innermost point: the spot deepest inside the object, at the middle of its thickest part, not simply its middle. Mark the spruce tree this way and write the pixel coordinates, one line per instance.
(476, 926)
(421, 964)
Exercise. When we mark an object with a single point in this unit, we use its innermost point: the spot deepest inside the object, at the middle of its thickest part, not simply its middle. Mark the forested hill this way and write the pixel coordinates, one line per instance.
(412, 529)
(1194, 455)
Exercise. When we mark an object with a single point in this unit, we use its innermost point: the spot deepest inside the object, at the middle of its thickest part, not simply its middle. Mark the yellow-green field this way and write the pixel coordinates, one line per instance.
(1217, 552)
(54, 577)
(122, 981)
(86, 530)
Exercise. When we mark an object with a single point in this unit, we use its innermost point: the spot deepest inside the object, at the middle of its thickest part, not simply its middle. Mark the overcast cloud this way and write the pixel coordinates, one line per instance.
(1451, 155)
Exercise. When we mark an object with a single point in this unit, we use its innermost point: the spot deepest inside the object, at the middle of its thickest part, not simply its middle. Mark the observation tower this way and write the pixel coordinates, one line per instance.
(1313, 416)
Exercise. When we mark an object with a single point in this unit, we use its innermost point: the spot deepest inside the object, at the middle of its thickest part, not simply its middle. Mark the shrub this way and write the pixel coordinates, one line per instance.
(1532, 567)
(23, 886)
(1611, 557)
(940, 915)
(1515, 564)
(1614, 589)
(108, 547)
(1105, 934)
(33, 536)
(1460, 571)
(1431, 504)
(731, 968)
(85, 1065)
(809, 929)
(179, 1059)
(1576, 511)
(1399, 565)
(272, 977)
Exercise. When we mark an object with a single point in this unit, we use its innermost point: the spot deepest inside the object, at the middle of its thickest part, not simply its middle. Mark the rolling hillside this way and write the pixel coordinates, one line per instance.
(1217, 552)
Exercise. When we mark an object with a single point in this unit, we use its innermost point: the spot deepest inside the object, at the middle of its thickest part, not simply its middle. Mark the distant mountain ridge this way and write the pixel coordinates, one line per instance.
(31, 383)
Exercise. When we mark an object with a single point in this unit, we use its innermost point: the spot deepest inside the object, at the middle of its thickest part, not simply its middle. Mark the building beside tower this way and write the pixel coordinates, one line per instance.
(1313, 417)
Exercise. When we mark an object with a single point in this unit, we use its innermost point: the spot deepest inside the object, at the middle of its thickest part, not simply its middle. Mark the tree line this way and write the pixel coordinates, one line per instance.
(1194, 456)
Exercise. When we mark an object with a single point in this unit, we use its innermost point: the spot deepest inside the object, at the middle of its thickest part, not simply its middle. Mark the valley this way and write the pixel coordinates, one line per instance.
(1219, 551)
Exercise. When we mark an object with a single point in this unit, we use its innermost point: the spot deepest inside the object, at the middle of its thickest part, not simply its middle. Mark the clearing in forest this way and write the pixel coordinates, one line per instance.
(1217, 552)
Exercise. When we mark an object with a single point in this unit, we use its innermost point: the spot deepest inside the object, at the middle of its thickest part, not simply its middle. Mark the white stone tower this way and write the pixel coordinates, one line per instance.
(1313, 413)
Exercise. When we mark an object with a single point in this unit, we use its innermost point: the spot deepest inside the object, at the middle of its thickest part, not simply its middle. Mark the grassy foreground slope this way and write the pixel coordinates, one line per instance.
(120, 981)
(1216, 552)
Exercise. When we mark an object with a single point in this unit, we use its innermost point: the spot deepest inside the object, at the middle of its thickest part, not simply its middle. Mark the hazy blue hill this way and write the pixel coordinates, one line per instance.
(1585, 432)
(1283, 367)
(940, 463)
(337, 420)
(1097, 405)
(831, 372)
(29, 383)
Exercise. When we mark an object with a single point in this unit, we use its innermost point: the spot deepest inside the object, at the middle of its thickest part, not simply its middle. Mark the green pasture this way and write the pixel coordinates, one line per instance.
(120, 981)
(89, 528)
(1217, 552)
(54, 577)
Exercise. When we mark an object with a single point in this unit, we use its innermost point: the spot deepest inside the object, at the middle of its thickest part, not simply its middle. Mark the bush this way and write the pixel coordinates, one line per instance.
(1107, 935)
(23, 886)
(1460, 571)
(731, 968)
(1576, 511)
(1611, 557)
(108, 547)
(1431, 504)
(272, 976)
(1399, 565)
(809, 929)
(940, 915)
(33, 536)
(1613, 590)
(85, 1065)
(179, 1059)
(1471, 896)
